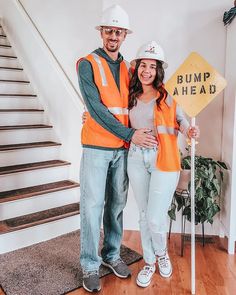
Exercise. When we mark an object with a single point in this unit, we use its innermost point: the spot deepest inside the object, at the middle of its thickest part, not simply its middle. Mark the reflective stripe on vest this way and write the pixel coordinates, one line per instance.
(161, 129)
(101, 69)
(119, 111)
(169, 101)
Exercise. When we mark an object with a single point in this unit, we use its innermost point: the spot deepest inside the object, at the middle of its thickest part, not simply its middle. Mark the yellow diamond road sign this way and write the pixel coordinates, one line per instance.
(195, 84)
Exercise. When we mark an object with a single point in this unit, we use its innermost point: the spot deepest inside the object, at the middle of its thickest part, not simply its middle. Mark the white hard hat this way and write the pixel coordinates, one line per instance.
(151, 50)
(115, 16)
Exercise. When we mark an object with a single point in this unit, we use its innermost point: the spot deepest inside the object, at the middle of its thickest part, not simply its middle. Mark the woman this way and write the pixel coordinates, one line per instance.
(154, 172)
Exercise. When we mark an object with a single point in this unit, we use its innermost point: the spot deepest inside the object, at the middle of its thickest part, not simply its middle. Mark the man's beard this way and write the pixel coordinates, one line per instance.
(112, 48)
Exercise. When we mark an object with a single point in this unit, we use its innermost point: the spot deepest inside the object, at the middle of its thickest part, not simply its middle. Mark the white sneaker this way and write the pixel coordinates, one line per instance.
(164, 264)
(145, 275)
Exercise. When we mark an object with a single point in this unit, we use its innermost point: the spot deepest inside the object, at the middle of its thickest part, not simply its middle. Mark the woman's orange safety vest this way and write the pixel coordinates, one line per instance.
(167, 128)
(116, 102)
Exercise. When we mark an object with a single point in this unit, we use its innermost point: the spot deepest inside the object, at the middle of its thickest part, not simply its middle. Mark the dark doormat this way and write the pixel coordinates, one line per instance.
(48, 268)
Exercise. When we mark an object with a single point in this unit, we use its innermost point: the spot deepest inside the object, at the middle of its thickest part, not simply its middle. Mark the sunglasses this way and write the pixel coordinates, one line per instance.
(118, 32)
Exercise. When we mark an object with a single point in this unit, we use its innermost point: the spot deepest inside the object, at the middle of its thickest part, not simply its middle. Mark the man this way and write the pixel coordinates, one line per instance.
(103, 79)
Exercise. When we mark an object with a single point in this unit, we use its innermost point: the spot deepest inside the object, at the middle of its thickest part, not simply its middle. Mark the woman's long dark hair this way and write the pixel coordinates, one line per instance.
(136, 89)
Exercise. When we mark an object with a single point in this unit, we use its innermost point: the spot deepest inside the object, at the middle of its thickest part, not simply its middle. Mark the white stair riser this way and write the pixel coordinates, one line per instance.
(26, 135)
(9, 62)
(20, 118)
(32, 155)
(6, 51)
(38, 203)
(33, 177)
(12, 75)
(19, 88)
(29, 236)
(4, 40)
(19, 103)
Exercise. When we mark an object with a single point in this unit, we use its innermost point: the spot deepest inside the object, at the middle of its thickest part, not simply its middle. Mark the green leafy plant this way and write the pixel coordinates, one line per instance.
(208, 180)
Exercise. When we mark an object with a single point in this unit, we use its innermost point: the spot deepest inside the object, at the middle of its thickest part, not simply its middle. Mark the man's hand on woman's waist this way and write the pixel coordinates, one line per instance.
(142, 138)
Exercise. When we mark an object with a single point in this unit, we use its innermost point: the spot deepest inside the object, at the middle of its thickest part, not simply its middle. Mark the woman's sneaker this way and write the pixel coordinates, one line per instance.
(164, 264)
(145, 275)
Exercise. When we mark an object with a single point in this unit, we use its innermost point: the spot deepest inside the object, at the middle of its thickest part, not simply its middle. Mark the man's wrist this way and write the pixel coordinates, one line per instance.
(131, 134)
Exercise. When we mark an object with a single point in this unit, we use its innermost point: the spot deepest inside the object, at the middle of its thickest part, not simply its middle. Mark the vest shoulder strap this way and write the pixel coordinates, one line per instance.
(98, 61)
(127, 64)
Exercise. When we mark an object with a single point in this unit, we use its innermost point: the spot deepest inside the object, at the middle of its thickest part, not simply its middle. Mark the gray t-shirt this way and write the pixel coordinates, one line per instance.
(142, 116)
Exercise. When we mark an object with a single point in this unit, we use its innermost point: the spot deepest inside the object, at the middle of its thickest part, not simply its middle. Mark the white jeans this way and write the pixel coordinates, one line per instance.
(153, 190)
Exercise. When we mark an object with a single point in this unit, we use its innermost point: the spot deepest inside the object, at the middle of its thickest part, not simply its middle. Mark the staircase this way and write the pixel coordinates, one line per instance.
(37, 201)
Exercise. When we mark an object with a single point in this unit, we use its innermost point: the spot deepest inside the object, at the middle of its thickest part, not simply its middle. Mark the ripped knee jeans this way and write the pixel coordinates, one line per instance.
(153, 190)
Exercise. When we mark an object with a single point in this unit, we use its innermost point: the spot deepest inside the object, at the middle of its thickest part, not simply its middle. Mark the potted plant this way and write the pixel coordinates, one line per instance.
(208, 180)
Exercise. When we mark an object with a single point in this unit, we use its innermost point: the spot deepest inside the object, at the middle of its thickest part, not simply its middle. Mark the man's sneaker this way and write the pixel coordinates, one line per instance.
(164, 264)
(119, 268)
(91, 282)
(145, 275)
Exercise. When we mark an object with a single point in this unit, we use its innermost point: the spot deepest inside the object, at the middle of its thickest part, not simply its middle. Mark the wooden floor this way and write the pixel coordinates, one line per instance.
(215, 271)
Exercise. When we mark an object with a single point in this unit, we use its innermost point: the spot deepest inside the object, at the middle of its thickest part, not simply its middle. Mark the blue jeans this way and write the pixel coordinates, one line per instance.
(103, 185)
(153, 190)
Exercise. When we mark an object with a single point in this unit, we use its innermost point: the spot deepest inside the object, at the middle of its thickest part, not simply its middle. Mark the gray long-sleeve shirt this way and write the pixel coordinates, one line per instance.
(92, 99)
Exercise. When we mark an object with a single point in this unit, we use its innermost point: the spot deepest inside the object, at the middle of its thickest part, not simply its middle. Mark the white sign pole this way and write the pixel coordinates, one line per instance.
(193, 97)
(193, 210)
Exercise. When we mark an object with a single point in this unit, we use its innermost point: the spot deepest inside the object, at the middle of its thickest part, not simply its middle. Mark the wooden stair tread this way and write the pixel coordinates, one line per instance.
(18, 95)
(8, 56)
(20, 110)
(32, 166)
(11, 68)
(36, 190)
(38, 218)
(17, 146)
(14, 81)
(17, 127)
(5, 46)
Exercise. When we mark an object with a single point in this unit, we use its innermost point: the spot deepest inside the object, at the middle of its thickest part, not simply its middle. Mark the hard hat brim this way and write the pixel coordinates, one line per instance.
(99, 28)
(164, 64)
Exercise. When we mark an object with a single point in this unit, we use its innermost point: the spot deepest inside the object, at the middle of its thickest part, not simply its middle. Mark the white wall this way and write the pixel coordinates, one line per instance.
(67, 27)
(228, 215)
(179, 26)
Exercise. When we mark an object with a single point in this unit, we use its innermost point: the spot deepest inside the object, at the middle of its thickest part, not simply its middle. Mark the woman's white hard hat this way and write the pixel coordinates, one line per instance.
(151, 50)
(115, 16)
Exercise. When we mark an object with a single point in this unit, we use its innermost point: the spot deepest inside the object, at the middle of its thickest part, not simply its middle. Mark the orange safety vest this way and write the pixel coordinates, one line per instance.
(116, 102)
(167, 128)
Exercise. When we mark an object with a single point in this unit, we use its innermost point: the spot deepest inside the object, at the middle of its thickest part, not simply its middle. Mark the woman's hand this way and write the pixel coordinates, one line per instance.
(193, 132)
